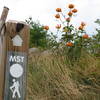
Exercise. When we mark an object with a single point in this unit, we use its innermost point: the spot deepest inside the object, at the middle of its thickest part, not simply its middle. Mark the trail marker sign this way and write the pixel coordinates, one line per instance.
(16, 60)
(15, 76)
(17, 41)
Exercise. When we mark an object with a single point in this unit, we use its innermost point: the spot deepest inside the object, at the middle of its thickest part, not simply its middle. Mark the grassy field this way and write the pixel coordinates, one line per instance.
(53, 76)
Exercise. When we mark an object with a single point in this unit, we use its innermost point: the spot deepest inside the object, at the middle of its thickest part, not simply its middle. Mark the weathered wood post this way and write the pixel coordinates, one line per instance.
(2, 50)
(16, 60)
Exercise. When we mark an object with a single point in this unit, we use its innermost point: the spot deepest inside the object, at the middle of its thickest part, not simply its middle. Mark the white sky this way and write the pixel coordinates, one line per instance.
(44, 11)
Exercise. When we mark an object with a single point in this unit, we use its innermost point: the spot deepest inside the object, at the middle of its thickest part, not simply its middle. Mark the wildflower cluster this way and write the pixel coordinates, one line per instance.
(70, 33)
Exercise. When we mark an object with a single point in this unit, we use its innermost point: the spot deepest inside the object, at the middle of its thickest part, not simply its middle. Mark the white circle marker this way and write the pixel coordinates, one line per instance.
(16, 70)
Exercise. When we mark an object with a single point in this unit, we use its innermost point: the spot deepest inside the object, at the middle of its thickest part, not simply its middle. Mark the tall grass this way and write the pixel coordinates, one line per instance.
(54, 77)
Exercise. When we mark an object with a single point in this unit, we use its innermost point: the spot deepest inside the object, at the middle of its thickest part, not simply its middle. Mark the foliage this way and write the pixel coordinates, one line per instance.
(52, 41)
(53, 77)
(40, 36)
(74, 38)
(95, 42)
(71, 70)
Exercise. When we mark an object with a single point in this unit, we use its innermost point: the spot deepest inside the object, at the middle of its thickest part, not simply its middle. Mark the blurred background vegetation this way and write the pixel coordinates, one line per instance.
(45, 39)
(63, 72)
(39, 37)
(68, 69)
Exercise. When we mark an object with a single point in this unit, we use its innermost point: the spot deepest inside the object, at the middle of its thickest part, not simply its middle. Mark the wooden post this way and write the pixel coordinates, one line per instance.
(16, 60)
(2, 50)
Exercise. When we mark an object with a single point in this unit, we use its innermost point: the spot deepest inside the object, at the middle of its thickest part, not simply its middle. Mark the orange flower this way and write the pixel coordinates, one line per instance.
(69, 44)
(83, 24)
(57, 16)
(85, 36)
(58, 10)
(70, 13)
(58, 26)
(70, 6)
(46, 27)
(68, 19)
(74, 10)
(81, 28)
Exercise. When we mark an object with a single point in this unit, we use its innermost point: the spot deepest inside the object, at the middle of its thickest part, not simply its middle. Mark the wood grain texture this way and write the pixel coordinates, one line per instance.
(16, 51)
(11, 33)
(3, 17)
(4, 13)
(2, 64)
(2, 50)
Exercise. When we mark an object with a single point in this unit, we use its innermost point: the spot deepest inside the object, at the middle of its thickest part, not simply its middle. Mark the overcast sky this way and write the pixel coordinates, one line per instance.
(44, 11)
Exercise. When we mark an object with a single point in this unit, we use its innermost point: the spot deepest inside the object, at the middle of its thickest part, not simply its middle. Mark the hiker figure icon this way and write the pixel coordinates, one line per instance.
(15, 89)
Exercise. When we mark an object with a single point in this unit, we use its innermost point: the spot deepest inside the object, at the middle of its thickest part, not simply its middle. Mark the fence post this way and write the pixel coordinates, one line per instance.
(2, 50)
(16, 60)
